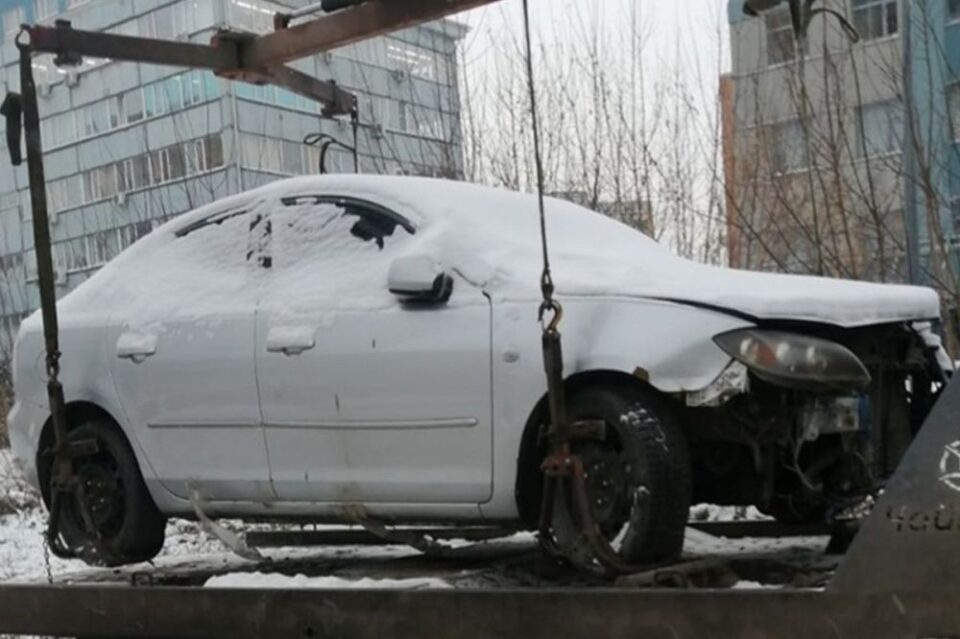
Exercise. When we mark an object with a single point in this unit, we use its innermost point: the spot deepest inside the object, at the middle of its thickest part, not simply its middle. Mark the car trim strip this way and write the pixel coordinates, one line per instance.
(384, 424)
(172, 425)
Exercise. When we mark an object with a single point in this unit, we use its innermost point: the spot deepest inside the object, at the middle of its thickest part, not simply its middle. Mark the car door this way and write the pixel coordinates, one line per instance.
(183, 361)
(363, 399)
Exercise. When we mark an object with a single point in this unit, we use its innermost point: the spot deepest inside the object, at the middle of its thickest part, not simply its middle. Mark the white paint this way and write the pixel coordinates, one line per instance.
(196, 408)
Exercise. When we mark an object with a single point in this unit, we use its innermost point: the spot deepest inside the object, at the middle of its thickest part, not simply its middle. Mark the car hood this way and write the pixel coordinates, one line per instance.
(772, 296)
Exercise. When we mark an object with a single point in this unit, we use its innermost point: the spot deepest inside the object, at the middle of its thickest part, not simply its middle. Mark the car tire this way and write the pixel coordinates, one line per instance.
(132, 528)
(645, 457)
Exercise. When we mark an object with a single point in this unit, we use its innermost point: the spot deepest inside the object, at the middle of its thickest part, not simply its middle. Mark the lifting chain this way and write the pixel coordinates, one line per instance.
(64, 481)
(563, 469)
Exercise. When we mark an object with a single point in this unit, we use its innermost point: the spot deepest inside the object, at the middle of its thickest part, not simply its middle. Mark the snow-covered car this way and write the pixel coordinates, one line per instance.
(327, 346)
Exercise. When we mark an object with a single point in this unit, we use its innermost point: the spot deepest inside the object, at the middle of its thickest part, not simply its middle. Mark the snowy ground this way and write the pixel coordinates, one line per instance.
(191, 557)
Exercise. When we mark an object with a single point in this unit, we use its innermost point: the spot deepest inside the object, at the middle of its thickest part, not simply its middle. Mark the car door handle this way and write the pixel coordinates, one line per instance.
(291, 340)
(136, 346)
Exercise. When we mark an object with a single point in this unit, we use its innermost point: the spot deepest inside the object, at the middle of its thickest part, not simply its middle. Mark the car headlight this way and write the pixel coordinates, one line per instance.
(793, 360)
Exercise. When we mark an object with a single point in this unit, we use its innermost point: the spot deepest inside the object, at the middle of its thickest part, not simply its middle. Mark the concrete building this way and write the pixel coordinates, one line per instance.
(128, 146)
(853, 171)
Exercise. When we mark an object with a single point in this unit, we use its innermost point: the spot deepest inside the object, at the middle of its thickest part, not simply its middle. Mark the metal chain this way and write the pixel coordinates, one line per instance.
(546, 278)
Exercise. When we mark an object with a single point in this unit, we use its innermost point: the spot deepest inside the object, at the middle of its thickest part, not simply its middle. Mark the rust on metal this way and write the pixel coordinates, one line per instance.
(225, 56)
(346, 27)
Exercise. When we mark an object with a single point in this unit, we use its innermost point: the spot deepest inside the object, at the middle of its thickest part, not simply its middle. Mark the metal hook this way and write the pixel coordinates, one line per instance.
(22, 45)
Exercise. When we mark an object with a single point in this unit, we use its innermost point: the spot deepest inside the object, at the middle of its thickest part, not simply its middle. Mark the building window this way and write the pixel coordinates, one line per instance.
(134, 173)
(955, 214)
(43, 9)
(153, 100)
(881, 129)
(408, 58)
(953, 9)
(252, 15)
(788, 149)
(953, 110)
(133, 106)
(781, 45)
(12, 19)
(875, 18)
(164, 165)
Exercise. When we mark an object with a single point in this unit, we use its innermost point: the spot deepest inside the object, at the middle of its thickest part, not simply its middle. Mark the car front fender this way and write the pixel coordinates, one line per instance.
(670, 346)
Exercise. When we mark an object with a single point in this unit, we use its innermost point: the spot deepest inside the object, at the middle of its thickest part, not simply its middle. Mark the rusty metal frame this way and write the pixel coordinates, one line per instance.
(347, 26)
(187, 613)
(223, 56)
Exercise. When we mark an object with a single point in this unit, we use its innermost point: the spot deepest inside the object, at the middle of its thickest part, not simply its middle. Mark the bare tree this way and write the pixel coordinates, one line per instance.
(642, 149)
(821, 167)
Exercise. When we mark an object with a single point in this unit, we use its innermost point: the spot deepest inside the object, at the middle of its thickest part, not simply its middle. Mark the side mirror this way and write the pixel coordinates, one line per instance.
(419, 278)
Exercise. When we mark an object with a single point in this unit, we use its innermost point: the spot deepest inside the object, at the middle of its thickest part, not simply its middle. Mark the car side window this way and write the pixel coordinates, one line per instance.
(311, 227)
(218, 241)
(202, 265)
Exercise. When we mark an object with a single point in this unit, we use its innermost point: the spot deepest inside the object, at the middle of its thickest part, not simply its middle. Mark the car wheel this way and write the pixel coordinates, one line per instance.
(638, 479)
(130, 525)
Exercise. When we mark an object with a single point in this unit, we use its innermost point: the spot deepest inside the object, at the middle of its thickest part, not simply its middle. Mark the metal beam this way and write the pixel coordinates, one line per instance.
(220, 56)
(67, 42)
(118, 611)
(346, 27)
(335, 100)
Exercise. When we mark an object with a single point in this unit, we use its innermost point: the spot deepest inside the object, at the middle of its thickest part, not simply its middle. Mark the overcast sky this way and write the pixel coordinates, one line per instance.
(680, 33)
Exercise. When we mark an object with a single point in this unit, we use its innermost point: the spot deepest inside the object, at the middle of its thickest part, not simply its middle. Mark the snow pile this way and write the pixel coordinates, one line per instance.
(15, 493)
(490, 237)
(712, 512)
(22, 522)
(274, 580)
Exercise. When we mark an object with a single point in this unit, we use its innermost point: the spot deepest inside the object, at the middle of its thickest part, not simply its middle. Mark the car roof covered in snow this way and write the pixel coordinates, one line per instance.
(491, 238)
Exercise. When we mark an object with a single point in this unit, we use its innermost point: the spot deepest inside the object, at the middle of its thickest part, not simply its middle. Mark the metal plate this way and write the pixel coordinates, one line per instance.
(911, 541)
(459, 614)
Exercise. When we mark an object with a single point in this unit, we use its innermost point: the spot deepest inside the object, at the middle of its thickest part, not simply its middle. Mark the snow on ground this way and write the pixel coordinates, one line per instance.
(712, 512)
(23, 521)
(190, 556)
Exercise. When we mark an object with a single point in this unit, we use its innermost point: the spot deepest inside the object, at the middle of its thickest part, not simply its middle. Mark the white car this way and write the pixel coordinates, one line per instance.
(326, 346)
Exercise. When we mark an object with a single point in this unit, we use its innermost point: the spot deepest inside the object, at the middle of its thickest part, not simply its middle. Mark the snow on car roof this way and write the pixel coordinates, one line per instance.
(491, 238)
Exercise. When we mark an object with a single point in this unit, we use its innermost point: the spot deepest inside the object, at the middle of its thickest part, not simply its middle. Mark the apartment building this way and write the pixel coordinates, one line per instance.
(842, 159)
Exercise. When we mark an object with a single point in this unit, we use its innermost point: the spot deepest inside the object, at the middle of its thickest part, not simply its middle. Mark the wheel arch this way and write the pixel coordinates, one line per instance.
(529, 480)
(77, 412)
